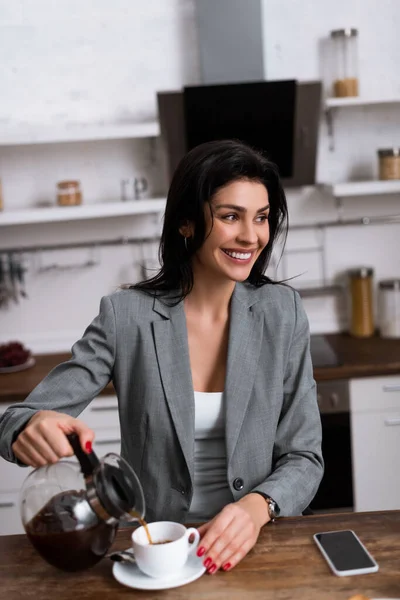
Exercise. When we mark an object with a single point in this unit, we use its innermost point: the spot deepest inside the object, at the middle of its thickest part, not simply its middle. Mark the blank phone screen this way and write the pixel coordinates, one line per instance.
(344, 550)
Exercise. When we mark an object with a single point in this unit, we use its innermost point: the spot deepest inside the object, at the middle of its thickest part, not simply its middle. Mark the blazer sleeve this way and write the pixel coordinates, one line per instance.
(297, 459)
(70, 386)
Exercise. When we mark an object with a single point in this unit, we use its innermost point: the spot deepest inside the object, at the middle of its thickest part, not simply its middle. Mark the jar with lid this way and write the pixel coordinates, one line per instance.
(389, 308)
(389, 163)
(69, 193)
(361, 302)
(345, 62)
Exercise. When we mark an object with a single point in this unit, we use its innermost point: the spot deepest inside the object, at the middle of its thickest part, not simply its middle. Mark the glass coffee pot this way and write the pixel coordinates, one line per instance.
(71, 511)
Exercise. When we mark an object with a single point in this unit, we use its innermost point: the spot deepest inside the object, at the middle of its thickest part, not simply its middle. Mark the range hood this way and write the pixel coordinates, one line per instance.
(230, 40)
(230, 35)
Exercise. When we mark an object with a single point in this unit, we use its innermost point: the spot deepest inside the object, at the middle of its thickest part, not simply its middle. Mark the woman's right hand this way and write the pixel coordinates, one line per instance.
(43, 441)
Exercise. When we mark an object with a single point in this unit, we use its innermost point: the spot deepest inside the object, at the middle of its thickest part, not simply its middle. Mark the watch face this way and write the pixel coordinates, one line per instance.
(273, 508)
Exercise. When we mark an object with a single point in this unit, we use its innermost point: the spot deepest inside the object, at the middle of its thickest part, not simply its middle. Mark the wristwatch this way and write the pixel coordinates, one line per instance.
(273, 508)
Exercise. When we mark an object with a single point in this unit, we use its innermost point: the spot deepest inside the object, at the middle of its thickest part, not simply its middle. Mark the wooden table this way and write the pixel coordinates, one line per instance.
(284, 565)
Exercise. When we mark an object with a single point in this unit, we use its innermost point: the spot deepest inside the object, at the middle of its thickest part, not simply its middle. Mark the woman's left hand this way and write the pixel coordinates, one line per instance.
(232, 533)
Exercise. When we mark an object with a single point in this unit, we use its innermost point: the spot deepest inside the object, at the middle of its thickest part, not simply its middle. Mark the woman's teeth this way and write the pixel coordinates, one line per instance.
(239, 255)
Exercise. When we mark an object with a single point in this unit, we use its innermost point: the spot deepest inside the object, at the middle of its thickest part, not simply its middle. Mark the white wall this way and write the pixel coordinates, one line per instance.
(92, 61)
(78, 62)
(295, 41)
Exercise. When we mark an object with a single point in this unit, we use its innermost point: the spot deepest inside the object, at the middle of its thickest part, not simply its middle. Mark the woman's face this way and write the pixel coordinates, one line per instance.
(238, 232)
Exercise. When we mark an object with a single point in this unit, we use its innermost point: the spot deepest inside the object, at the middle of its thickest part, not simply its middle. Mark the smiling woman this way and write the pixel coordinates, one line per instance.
(238, 231)
(211, 363)
(221, 181)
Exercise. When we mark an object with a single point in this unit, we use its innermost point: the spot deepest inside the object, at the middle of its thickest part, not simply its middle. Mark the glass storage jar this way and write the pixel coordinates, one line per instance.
(69, 193)
(345, 62)
(389, 163)
(389, 308)
(361, 302)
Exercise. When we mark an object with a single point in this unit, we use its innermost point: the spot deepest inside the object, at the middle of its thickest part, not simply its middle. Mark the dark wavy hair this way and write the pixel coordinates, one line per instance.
(199, 175)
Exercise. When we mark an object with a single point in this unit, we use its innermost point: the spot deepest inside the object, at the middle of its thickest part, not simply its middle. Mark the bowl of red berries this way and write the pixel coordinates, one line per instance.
(15, 357)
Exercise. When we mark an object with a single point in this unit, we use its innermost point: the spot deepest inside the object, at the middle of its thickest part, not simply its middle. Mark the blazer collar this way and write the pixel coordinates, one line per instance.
(171, 341)
(243, 295)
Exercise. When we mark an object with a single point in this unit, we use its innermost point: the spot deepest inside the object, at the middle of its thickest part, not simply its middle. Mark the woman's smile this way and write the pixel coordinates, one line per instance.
(240, 257)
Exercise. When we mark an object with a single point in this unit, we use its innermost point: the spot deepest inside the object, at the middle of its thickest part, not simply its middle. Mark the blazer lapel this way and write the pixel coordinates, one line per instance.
(172, 350)
(245, 336)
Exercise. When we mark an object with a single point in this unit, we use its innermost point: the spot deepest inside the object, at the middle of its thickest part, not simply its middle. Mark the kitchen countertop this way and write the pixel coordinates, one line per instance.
(285, 563)
(15, 387)
(369, 357)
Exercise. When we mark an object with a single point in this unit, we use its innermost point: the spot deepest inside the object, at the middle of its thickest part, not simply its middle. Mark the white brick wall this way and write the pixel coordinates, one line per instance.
(295, 47)
(93, 61)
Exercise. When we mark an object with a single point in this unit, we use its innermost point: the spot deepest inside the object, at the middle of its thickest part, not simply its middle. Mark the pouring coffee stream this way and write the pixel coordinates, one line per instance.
(71, 512)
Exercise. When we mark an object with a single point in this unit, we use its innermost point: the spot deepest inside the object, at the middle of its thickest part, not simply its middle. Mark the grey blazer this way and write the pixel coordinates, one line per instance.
(273, 428)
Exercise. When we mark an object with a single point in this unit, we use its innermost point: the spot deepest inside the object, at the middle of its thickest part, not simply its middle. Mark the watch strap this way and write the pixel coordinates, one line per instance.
(273, 508)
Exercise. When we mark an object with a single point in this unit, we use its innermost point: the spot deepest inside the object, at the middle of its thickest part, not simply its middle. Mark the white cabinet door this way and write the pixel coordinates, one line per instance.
(101, 413)
(12, 476)
(10, 520)
(107, 440)
(375, 429)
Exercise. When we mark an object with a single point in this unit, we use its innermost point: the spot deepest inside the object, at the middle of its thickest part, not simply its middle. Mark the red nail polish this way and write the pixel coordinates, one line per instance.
(88, 447)
(212, 569)
(201, 551)
(207, 562)
(227, 566)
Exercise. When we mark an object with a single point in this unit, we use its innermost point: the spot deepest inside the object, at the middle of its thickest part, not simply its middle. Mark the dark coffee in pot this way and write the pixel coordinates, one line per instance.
(57, 533)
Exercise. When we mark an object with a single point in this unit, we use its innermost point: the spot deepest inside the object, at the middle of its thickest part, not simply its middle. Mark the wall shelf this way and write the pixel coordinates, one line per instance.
(358, 101)
(19, 136)
(86, 211)
(317, 291)
(362, 188)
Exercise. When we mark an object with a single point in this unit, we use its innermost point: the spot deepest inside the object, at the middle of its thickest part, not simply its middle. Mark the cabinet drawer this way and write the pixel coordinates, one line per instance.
(10, 520)
(375, 394)
(107, 440)
(101, 412)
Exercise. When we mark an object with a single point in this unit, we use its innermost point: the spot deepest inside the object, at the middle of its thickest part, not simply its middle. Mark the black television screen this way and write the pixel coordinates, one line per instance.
(261, 114)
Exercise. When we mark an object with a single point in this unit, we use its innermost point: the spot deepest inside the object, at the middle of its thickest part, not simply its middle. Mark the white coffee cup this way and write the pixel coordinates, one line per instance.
(163, 560)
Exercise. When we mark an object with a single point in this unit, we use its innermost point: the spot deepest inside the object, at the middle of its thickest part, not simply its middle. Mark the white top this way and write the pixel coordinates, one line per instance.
(211, 491)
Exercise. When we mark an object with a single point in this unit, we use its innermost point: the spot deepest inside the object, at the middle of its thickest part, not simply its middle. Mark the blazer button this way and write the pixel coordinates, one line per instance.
(238, 484)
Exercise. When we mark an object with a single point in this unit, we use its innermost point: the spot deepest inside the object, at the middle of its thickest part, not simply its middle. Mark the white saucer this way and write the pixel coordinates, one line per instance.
(130, 575)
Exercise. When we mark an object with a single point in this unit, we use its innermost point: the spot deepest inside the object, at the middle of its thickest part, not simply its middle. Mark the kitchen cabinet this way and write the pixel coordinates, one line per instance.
(375, 435)
(101, 415)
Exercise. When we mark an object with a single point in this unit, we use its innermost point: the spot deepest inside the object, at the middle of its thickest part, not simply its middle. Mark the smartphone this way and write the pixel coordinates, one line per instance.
(344, 553)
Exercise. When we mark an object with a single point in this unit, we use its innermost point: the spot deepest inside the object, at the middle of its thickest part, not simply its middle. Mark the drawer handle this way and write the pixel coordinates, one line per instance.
(391, 422)
(104, 442)
(7, 504)
(392, 388)
(103, 408)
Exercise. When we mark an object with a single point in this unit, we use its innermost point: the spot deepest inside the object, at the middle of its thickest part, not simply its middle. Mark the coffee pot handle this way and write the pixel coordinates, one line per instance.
(89, 461)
